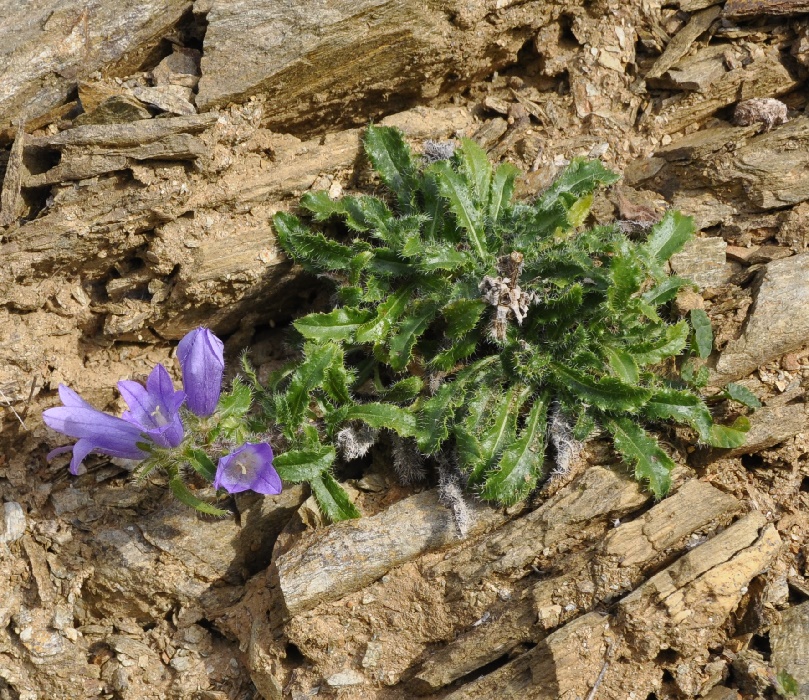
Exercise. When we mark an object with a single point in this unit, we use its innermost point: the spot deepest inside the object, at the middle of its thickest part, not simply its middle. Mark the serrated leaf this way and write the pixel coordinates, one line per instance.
(410, 329)
(201, 463)
(466, 432)
(336, 380)
(605, 393)
(393, 160)
(462, 316)
(666, 290)
(183, 494)
(560, 308)
(339, 324)
(446, 360)
(683, 407)
(435, 413)
(703, 333)
(313, 251)
(332, 499)
(741, 394)
(461, 202)
(521, 463)
(477, 168)
(580, 178)
(366, 213)
(626, 279)
(321, 205)
(404, 391)
(499, 431)
(308, 376)
(697, 377)
(730, 436)
(669, 344)
(439, 256)
(669, 235)
(382, 415)
(236, 402)
(502, 189)
(643, 452)
(296, 466)
(387, 313)
(622, 364)
(578, 211)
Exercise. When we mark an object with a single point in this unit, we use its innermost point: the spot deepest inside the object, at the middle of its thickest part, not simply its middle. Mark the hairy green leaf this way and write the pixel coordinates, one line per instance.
(643, 453)
(296, 466)
(410, 329)
(477, 168)
(669, 235)
(382, 415)
(703, 333)
(201, 463)
(668, 344)
(499, 431)
(502, 189)
(605, 393)
(340, 324)
(332, 499)
(308, 376)
(580, 178)
(669, 404)
(183, 494)
(404, 391)
(730, 436)
(622, 364)
(460, 197)
(313, 251)
(387, 314)
(741, 394)
(520, 466)
(393, 160)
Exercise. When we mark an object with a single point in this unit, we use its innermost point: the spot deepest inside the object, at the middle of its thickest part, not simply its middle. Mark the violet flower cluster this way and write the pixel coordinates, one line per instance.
(157, 422)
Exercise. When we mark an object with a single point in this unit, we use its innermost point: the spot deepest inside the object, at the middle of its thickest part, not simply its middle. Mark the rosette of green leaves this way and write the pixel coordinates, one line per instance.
(410, 314)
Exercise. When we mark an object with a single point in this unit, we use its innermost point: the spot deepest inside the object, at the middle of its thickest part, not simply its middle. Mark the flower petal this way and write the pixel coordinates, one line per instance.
(248, 468)
(71, 399)
(201, 356)
(91, 423)
(80, 450)
(141, 405)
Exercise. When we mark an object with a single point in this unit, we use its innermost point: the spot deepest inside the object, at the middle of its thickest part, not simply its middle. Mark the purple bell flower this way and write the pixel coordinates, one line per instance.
(248, 468)
(97, 431)
(155, 409)
(202, 361)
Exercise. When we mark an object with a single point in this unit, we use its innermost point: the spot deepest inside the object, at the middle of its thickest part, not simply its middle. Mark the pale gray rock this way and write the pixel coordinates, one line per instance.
(790, 646)
(328, 564)
(173, 99)
(13, 523)
(703, 261)
(46, 46)
(778, 320)
(329, 58)
(345, 678)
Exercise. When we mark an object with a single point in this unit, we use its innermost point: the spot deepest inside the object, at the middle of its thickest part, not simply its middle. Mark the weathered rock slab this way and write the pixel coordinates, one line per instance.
(47, 46)
(778, 321)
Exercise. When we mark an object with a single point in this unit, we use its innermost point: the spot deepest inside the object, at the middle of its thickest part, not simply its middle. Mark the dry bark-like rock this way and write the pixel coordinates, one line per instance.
(330, 564)
(764, 75)
(778, 321)
(789, 640)
(682, 41)
(326, 63)
(48, 46)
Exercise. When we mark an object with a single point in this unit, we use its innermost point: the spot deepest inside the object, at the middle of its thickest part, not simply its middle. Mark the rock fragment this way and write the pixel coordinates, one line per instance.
(778, 321)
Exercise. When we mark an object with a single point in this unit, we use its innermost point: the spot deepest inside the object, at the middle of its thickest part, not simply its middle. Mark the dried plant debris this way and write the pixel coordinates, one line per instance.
(760, 110)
